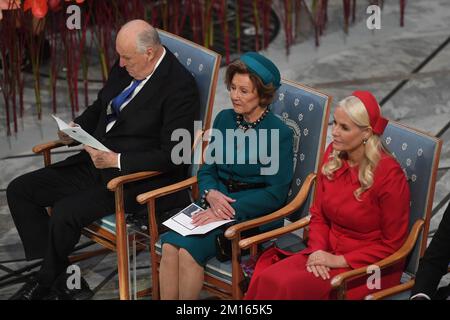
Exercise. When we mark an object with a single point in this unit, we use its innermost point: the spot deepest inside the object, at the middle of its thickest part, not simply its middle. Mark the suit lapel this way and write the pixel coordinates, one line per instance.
(150, 89)
(115, 86)
(118, 85)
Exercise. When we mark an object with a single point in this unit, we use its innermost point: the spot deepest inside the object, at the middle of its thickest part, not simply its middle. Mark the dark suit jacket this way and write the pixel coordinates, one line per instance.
(436, 259)
(168, 101)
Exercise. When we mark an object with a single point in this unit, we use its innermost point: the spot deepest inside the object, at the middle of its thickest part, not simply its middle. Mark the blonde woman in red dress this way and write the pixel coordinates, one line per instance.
(360, 214)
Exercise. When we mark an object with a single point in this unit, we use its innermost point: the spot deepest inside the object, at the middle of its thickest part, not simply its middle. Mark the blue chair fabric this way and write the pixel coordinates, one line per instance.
(418, 154)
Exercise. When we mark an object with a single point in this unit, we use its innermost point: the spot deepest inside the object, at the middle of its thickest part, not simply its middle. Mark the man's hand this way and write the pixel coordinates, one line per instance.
(65, 139)
(220, 204)
(103, 159)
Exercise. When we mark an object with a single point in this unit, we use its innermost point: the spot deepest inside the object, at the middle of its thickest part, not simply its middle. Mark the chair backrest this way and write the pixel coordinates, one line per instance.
(418, 154)
(204, 65)
(306, 112)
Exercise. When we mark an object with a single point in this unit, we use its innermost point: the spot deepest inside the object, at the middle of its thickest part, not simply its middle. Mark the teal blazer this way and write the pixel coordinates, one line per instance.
(251, 203)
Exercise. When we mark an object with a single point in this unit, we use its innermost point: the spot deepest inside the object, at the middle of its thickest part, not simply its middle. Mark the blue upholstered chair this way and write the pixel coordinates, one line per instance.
(418, 154)
(306, 112)
(111, 231)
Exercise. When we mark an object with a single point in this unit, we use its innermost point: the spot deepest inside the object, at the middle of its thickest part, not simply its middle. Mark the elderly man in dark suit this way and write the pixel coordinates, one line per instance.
(434, 264)
(148, 95)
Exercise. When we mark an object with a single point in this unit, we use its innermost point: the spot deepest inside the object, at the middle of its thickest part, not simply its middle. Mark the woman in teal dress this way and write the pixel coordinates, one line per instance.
(242, 178)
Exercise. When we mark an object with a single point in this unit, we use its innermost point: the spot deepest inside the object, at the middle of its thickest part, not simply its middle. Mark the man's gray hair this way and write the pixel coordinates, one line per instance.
(147, 38)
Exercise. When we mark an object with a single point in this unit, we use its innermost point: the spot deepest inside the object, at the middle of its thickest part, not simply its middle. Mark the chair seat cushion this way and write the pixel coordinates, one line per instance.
(222, 270)
(108, 223)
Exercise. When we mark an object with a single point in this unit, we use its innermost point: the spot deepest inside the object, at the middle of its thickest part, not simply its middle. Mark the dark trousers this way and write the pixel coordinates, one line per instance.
(434, 263)
(77, 196)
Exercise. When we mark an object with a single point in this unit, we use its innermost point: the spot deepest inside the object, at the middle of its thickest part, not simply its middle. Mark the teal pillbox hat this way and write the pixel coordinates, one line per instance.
(262, 67)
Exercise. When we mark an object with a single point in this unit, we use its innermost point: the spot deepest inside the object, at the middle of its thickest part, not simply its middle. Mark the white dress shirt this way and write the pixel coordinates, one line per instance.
(135, 92)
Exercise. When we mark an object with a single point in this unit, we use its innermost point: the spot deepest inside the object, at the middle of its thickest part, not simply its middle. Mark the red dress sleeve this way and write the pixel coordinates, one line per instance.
(394, 200)
(319, 227)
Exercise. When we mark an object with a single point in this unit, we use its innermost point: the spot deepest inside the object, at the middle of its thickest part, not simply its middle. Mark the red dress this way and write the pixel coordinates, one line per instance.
(364, 232)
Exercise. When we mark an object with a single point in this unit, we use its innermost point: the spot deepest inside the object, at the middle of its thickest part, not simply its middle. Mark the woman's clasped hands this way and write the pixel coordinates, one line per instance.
(220, 209)
(321, 262)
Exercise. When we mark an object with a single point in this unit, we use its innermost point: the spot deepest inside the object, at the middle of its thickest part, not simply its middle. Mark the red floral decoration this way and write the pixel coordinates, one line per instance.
(39, 8)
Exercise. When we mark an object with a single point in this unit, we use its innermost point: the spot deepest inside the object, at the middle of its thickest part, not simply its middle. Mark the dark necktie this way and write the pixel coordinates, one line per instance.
(118, 101)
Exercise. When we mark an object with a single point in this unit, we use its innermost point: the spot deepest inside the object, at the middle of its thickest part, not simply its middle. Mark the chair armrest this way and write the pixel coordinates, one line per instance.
(115, 183)
(47, 146)
(391, 291)
(266, 236)
(185, 184)
(149, 198)
(233, 231)
(339, 281)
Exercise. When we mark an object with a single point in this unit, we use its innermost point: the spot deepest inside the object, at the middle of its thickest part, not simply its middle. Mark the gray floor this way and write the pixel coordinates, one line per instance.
(375, 60)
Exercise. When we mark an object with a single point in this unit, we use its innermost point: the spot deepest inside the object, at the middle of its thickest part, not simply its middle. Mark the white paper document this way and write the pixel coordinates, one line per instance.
(78, 134)
(182, 222)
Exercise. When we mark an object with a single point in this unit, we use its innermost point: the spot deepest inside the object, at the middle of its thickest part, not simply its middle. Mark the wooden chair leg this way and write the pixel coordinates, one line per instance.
(122, 246)
(123, 268)
(155, 279)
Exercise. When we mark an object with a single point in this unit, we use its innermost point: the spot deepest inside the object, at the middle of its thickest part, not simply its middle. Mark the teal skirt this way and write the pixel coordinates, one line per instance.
(201, 247)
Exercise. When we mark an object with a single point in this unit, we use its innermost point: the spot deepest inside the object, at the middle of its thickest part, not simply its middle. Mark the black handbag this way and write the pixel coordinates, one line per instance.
(223, 248)
(223, 245)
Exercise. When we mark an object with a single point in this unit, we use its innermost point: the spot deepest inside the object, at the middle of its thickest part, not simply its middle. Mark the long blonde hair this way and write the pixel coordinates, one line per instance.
(355, 109)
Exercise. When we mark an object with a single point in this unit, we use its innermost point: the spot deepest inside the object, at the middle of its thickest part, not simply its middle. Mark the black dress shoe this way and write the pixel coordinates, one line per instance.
(31, 290)
(61, 291)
